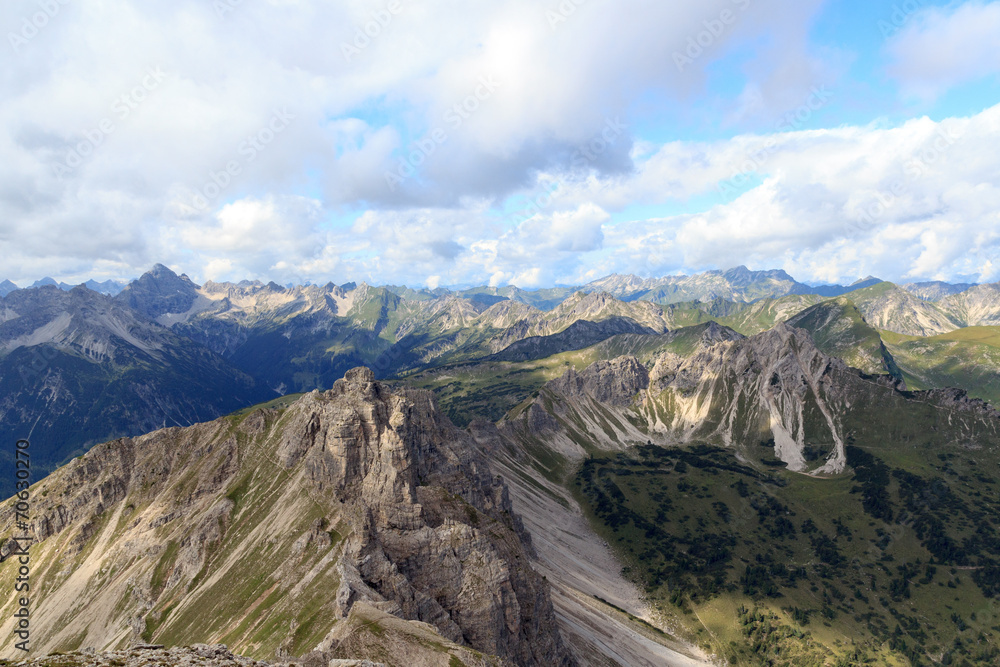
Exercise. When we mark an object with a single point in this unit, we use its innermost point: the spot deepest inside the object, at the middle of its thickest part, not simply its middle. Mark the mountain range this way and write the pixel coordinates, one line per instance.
(110, 287)
(281, 340)
(738, 284)
(606, 476)
(77, 368)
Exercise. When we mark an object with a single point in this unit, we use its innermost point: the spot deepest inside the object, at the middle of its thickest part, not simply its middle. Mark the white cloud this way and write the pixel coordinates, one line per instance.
(278, 211)
(944, 47)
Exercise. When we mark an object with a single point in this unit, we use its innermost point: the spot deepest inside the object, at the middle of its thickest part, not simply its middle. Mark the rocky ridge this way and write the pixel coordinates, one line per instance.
(359, 500)
(775, 389)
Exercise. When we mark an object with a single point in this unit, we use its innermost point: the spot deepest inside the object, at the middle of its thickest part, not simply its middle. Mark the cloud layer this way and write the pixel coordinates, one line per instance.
(445, 142)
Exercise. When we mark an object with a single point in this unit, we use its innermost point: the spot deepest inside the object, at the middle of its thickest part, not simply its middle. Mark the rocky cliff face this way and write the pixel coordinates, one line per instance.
(614, 382)
(158, 292)
(775, 390)
(977, 306)
(767, 386)
(891, 308)
(273, 532)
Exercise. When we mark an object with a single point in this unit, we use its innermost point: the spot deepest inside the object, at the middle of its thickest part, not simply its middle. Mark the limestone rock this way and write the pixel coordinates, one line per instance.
(287, 522)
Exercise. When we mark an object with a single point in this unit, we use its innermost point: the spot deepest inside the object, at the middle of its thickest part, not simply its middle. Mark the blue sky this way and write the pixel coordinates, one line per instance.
(529, 142)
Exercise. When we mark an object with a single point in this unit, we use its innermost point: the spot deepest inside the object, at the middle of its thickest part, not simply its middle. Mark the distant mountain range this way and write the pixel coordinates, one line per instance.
(110, 287)
(738, 284)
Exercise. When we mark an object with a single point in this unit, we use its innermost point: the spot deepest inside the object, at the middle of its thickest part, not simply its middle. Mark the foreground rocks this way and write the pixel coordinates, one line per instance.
(198, 655)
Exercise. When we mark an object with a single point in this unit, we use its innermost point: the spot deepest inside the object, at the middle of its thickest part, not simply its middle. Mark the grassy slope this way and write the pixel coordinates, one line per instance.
(725, 534)
(491, 389)
(967, 358)
(707, 536)
(839, 329)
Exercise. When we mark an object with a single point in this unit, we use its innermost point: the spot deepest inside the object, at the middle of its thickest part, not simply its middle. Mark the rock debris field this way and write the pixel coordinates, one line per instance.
(198, 655)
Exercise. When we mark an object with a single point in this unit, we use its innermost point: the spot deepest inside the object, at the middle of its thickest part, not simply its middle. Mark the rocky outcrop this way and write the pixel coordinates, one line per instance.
(355, 496)
(775, 389)
(423, 494)
(615, 382)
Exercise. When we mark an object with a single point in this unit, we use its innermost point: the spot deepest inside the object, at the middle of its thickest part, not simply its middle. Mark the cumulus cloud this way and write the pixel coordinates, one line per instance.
(944, 47)
(90, 139)
(920, 200)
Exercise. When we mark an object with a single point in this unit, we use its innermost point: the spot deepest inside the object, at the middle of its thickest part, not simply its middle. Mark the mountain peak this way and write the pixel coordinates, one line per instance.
(161, 271)
(742, 276)
(158, 292)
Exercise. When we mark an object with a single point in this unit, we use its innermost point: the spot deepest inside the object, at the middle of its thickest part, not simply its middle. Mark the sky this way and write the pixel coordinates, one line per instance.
(526, 142)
